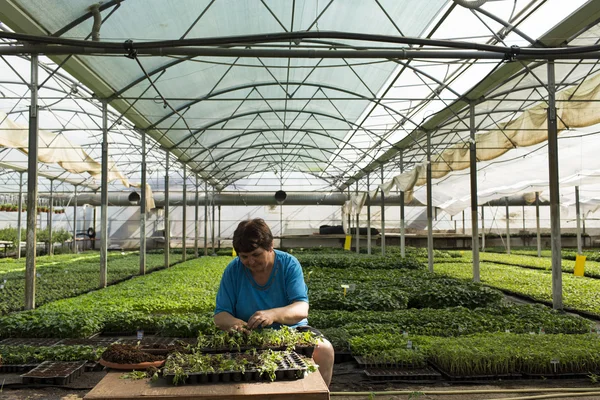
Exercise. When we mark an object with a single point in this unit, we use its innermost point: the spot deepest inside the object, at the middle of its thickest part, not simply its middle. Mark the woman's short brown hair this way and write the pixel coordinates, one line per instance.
(252, 234)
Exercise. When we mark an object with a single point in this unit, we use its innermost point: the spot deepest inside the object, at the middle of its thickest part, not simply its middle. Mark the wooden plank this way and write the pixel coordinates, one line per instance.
(111, 387)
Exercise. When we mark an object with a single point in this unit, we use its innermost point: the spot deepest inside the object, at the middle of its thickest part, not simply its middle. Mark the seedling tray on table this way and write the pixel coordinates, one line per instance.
(54, 373)
(292, 367)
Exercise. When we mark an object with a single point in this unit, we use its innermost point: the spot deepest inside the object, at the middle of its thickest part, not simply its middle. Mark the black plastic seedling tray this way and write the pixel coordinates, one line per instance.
(29, 342)
(292, 367)
(16, 368)
(94, 342)
(418, 374)
(369, 363)
(495, 377)
(54, 373)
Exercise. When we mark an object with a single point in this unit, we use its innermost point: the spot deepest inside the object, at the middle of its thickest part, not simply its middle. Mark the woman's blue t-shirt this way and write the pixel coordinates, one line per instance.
(241, 296)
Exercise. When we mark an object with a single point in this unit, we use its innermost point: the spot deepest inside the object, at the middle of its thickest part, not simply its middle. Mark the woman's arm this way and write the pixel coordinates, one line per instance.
(227, 322)
(288, 315)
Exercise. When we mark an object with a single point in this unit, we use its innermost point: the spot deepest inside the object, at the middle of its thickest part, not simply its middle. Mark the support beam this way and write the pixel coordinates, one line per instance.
(104, 200)
(184, 217)
(483, 228)
(206, 218)
(382, 214)
(402, 215)
(50, 219)
(74, 219)
(20, 215)
(557, 300)
(219, 232)
(473, 180)
(537, 224)
(368, 216)
(212, 224)
(167, 221)
(429, 207)
(196, 220)
(357, 224)
(507, 227)
(143, 208)
(32, 188)
(578, 216)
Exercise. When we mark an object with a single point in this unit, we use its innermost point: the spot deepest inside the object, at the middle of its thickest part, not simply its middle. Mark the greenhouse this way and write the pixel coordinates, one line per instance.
(429, 169)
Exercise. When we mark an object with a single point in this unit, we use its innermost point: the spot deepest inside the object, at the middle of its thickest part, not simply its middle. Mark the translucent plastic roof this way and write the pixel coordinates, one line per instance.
(257, 121)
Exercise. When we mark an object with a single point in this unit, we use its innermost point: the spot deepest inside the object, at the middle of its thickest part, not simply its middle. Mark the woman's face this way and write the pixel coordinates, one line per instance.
(257, 260)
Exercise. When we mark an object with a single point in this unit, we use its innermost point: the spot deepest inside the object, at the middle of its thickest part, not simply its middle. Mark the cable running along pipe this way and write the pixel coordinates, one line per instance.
(295, 36)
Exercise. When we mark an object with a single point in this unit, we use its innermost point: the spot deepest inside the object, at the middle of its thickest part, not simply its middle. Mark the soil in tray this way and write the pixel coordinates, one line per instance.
(128, 354)
(54, 373)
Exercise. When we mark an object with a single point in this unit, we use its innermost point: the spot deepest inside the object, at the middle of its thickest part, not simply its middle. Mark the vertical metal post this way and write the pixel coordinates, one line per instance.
(537, 224)
(357, 224)
(473, 180)
(206, 218)
(167, 220)
(20, 212)
(429, 207)
(402, 216)
(212, 224)
(483, 228)
(523, 207)
(104, 200)
(382, 214)
(143, 208)
(196, 221)
(50, 217)
(94, 224)
(219, 232)
(578, 216)
(32, 188)
(349, 214)
(507, 227)
(557, 301)
(464, 231)
(75, 219)
(368, 216)
(184, 217)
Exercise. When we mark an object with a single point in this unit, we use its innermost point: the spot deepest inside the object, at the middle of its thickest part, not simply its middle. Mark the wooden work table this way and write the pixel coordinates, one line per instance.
(111, 387)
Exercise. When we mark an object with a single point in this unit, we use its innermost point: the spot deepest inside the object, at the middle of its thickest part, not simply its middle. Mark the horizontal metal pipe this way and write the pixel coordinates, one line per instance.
(123, 199)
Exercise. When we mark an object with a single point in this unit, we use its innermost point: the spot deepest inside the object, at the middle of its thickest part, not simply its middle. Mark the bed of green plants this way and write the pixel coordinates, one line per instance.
(387, 290)
(18, 355)
(177, 301)
(579, 293)
(592, 268)
(567, 253)
(66, 275)
(495, 354)
(353, 260)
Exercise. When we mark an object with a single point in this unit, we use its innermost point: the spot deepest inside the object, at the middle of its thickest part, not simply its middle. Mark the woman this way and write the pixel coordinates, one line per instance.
(264, 287)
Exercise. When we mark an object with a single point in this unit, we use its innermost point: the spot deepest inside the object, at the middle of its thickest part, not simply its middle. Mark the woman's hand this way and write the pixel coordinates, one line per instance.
(261, 319)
